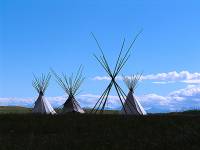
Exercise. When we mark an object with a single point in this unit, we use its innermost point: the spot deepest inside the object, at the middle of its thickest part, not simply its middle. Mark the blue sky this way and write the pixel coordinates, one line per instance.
(37, 35)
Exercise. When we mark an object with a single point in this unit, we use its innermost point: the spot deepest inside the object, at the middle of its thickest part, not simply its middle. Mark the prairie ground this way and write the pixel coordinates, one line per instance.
(26, 131)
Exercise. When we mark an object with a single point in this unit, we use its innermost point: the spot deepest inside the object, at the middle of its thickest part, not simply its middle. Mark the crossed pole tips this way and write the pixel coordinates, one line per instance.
(121, 61)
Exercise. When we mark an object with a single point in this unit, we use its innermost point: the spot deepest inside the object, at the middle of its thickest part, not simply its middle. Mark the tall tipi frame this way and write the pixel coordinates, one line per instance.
(121, 61)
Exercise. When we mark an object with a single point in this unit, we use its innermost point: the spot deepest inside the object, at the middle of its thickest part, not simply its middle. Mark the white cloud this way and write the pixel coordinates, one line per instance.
(186, 98)
(165, 78)
(190, 90)
(29, 102)
(171, 77)
(193, 81)
(163, 82)
(14, 101)
(85, 100)
(89, 100)
(101, 78)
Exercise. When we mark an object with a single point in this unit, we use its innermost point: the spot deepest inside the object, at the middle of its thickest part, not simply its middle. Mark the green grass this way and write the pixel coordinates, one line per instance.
(99, 132)
(109, 112)
(14, 109)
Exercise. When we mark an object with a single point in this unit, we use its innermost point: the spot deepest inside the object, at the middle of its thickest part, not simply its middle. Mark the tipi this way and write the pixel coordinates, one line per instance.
(132, 105)
(42, 105)
(71, 85)
(120, 62)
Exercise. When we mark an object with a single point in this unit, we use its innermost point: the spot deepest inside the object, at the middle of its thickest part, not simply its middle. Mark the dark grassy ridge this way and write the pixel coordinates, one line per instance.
(14, 109)
(99, 132)
(24, 110)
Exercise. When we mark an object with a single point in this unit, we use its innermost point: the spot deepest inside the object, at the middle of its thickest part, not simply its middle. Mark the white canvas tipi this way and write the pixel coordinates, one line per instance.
(132, 106)
(71, 85)
(42, 106)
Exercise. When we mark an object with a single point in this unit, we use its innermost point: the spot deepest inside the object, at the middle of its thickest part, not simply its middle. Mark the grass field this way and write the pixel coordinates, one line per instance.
(180, 131)
(11, 109)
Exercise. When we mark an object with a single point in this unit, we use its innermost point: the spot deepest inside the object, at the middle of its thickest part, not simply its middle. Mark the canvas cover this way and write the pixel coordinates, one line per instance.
(43, 106)
(71, 105)
(133, 106)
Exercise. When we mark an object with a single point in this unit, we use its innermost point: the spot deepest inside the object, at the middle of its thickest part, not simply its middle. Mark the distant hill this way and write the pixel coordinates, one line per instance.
(19, 109)
(14, 109)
